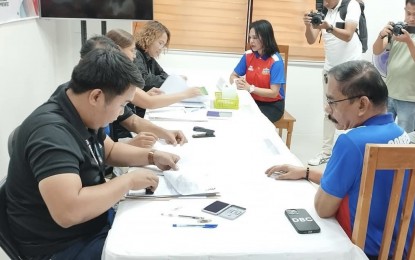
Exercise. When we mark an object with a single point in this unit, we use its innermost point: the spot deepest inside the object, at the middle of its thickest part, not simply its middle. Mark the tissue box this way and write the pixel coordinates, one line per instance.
(225, 103)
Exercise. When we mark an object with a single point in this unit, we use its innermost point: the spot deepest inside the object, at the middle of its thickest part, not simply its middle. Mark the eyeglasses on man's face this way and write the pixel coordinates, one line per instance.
(331, 102)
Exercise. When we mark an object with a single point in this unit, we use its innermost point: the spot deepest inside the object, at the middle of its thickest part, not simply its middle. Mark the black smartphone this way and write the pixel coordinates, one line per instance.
(302, 221)
(340, 25)
(216, 207)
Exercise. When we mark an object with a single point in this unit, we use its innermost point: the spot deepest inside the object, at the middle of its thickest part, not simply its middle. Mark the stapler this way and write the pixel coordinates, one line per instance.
(204, 132)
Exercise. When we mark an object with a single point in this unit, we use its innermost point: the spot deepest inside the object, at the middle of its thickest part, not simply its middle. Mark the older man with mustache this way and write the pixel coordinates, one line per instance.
(356, 101)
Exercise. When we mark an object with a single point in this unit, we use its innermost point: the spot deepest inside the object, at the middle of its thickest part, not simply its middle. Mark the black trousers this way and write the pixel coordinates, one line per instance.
(272, 110)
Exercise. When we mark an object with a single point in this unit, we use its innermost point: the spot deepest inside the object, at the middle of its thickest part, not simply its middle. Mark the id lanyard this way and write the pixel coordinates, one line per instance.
(96, 153)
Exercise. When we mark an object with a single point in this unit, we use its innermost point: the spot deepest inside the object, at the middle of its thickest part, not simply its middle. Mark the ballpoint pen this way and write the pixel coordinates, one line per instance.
(181, 216)
(200, 219)
(196, 225)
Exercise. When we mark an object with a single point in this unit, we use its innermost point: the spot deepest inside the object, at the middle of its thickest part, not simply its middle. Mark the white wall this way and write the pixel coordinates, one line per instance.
(37, 55)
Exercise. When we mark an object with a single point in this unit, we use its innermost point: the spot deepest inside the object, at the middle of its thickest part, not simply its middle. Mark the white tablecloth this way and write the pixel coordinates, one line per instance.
(236, 159)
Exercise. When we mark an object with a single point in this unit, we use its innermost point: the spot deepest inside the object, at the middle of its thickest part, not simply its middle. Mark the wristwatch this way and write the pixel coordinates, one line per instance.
(330, 29)
(251, 88)
(150, 157)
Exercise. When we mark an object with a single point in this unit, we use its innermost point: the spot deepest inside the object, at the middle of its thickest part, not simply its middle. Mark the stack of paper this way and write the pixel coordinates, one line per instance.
(179, 184)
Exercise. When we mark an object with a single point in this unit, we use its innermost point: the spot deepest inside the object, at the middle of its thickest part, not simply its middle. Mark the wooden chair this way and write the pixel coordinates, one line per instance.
(287, 120)
(391, 157)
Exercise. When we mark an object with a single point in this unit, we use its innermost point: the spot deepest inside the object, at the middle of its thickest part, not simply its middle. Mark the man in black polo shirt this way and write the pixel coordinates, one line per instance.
(58, 202)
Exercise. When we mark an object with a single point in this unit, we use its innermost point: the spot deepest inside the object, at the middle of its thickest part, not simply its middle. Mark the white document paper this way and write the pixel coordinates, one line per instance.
(181, 114)
(175, 186)
(181, 183)
(189, 183)
(175, 83)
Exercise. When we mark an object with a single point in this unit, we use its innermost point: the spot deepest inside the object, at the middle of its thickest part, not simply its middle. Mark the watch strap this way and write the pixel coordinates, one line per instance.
(150, 157)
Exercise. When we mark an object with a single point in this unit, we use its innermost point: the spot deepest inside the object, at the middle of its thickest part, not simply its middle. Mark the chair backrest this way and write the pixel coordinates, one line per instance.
(10, 141)
(387, 157)
(284, 51)
(6, 240)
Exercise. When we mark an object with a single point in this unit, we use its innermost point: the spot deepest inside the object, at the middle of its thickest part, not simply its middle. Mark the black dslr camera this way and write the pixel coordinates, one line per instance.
(316, 18)
(397, 28)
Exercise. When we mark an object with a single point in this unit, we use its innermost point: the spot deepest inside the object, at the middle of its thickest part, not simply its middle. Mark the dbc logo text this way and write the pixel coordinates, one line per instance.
(306, 219)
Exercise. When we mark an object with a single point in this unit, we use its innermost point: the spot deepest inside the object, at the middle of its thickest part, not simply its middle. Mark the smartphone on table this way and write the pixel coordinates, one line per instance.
(216, 207)
(302, 221)
(224, 210)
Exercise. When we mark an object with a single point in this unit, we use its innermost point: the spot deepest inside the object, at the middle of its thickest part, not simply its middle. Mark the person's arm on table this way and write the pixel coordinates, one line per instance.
(291, 172)
(325, 204)
(121, 154)
(131, 122)
(271, 92)
(70, 204)
(143, 140)
(137, 124)
(144, 100)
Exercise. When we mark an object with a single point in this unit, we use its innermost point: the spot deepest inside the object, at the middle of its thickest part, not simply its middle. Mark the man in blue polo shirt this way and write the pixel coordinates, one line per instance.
(356, 101)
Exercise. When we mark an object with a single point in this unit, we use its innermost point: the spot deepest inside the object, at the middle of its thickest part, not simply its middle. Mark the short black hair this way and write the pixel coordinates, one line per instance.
(361, 78)
(263, 29)
(97, 41)
(106, 69)
(412, 2)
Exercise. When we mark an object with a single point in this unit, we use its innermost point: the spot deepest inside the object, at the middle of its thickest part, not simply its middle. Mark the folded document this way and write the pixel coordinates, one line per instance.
(175, 184)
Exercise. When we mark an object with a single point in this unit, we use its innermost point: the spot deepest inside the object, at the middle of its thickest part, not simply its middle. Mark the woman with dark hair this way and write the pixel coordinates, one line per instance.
(261, 71)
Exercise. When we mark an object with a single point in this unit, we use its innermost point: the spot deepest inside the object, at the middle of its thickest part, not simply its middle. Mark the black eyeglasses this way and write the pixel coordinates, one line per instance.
(331, 102)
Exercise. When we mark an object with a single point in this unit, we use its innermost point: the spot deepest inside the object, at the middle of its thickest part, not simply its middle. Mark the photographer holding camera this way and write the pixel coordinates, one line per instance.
(341, 44)
(399, 39)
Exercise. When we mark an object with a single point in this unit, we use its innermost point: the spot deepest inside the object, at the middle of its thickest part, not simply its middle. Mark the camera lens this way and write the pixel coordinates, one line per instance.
(316, 18)
(397, 28)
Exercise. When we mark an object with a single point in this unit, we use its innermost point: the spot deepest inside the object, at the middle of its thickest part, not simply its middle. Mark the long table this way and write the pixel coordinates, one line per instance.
(244, 146)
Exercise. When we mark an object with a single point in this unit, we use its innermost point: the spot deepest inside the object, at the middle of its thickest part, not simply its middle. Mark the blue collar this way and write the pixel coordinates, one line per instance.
(264, 57)
(381, 119)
